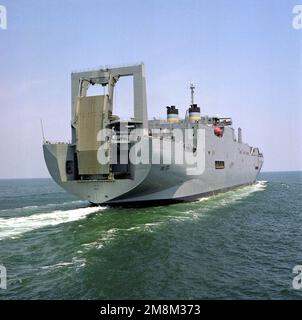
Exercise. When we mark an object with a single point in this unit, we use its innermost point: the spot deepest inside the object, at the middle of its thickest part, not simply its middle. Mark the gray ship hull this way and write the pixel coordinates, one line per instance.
(165, 183)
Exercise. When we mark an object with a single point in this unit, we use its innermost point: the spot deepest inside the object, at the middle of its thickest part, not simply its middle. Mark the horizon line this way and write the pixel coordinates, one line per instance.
(49, 177)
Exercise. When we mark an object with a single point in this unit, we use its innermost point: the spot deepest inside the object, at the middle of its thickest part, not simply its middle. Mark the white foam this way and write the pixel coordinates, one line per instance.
(58, 265)
(258, 186)
(109, 234)
(12, 227)
(78, 263)
(203, 199)
(261, 183)
(223, 199)
(89, 245)
(46, 206)
(239, 193)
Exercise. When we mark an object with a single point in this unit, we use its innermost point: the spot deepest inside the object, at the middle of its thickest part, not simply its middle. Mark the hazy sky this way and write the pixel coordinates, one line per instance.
(244, 56)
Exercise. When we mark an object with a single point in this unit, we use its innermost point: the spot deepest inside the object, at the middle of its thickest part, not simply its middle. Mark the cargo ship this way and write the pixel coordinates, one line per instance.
(138, 161)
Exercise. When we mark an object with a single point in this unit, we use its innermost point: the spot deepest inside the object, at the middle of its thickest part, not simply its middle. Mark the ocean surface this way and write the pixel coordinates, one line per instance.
(242, 244)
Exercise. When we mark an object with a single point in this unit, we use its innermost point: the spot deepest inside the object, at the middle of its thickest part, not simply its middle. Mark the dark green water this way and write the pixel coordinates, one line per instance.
(241, 244)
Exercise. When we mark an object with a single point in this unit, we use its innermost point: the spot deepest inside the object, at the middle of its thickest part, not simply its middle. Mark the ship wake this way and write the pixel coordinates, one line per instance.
(240, 193)
(14, 227)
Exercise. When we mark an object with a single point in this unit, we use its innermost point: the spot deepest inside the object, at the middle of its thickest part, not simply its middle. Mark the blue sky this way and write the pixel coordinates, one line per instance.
(244, 57)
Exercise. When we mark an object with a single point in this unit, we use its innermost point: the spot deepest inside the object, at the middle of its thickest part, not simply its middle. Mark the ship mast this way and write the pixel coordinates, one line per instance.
(192, 87)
